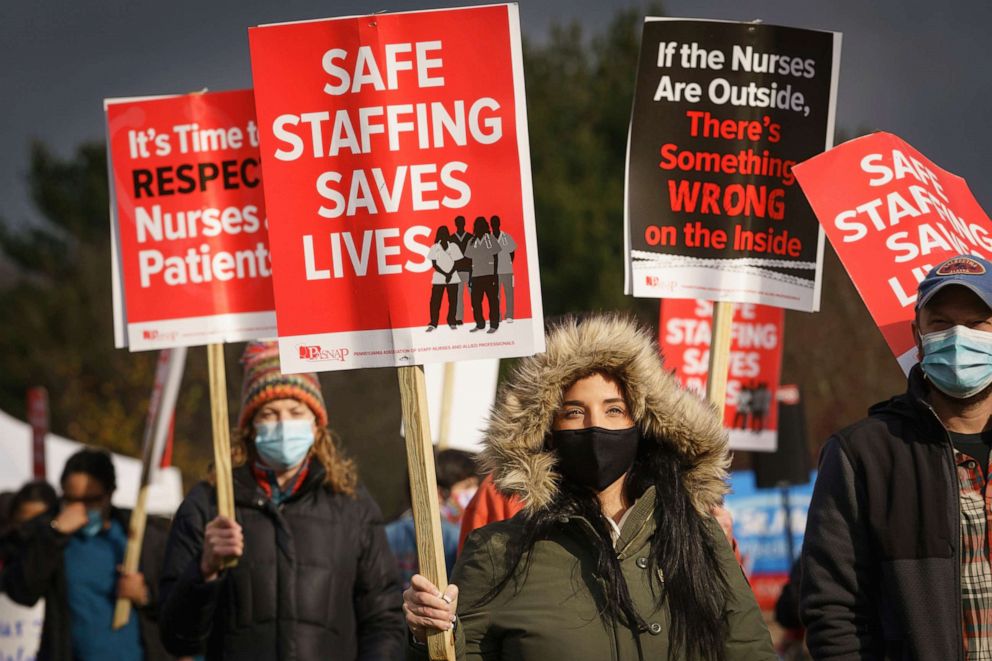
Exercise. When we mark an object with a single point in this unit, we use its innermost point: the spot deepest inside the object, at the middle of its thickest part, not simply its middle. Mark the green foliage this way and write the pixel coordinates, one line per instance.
(59, 315)
(579, 93)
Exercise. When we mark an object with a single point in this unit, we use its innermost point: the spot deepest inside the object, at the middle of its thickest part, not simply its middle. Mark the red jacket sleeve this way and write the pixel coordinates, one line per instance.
(488, 506)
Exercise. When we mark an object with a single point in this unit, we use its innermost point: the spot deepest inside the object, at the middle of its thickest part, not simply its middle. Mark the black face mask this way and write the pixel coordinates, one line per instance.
(595, 457)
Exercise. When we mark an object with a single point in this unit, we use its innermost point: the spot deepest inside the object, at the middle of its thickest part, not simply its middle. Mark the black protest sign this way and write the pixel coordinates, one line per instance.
(722, 111)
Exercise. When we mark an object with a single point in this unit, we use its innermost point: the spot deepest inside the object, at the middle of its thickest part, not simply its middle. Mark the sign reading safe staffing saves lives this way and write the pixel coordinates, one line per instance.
(191, 259)
(892, 215)
(397, 180)
(750, 413)
(721, 113)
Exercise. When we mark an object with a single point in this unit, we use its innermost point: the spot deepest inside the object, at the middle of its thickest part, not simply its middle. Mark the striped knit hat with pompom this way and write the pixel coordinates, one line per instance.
(264, 382)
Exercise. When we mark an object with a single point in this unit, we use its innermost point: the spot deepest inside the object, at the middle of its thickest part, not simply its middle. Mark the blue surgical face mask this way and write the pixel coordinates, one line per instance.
(283, 444)
(958, 361)
(94, 523)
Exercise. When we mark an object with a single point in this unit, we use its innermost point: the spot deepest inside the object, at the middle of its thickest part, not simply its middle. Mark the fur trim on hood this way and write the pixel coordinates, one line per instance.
(515, 451)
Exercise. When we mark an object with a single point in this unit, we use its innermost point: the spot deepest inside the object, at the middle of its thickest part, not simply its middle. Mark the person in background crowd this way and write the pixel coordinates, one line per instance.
(71, 558)
(33, 499)
(482, 250)
(488, 505)
(457, 482)
(791, 646)
(315, 577)
(616, 554)
(896, 558)
(463, 267)
(6, 498)
(723, 516)
(504, 265)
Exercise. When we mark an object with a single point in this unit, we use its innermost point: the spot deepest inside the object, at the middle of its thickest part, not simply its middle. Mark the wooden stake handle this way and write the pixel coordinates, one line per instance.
(423, 495)
(447, 398)
(132, 553)
(222, 435)
(716, 380)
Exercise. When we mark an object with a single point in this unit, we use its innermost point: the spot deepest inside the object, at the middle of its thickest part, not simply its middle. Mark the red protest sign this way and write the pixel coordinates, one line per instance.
(892, 215)
(750, 414)
(378, 132)
(191, 259)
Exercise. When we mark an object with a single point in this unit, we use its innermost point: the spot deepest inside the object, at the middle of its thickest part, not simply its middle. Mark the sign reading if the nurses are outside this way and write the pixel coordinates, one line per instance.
(721, 113)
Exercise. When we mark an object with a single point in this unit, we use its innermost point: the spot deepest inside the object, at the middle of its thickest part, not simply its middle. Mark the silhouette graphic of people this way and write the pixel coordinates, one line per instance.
(463, 266)
(760, 402)
(504, 265)
(482, 250)
(443, 255)
(744, 399)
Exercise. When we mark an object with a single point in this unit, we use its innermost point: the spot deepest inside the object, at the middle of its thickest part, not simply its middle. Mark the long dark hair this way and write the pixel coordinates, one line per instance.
(36, 491)
(681, 548)
(442, 236)
(481, 227)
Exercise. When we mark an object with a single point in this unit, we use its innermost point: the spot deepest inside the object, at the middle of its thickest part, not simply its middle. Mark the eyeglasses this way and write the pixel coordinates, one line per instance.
(86, 500)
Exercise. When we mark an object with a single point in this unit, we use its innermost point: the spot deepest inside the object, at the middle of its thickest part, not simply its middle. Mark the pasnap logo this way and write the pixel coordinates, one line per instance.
(157, 335)
(313, 352)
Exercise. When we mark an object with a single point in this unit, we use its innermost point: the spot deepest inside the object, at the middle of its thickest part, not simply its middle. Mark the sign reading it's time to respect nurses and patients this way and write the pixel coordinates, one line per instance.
(398, 188)
(190, 252)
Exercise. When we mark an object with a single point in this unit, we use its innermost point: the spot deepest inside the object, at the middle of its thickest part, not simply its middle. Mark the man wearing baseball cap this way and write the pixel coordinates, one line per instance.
(896, 559)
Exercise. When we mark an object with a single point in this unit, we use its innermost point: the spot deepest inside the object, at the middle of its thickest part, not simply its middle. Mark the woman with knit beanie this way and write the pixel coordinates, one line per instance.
(315, 578)
(615, 555)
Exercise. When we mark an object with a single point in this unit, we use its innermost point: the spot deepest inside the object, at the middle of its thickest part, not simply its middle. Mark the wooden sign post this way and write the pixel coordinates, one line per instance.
(447, 399)
(222, 435)
(132, 553)
(423, 495)
(161, 405)
(719, 367)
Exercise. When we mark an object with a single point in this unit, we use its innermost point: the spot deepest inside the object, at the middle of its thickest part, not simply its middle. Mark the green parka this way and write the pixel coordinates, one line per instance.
(553, 611)
(554, 608)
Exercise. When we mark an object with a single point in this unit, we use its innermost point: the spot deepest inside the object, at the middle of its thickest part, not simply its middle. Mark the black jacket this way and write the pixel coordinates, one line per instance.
(316, 581)
(881, 557)
(36, 571)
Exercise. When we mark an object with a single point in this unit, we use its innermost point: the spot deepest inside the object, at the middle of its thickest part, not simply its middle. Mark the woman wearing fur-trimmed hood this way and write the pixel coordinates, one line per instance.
(616, 554)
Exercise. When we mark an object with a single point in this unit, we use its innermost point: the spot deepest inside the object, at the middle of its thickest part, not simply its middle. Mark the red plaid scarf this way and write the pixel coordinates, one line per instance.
(266, 479)
(976, 563)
